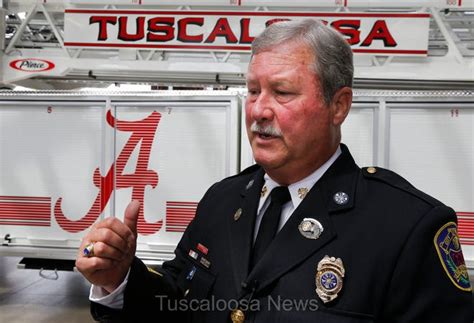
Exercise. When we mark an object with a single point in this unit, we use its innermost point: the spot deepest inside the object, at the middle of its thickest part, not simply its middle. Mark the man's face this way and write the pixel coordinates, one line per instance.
(284, 93)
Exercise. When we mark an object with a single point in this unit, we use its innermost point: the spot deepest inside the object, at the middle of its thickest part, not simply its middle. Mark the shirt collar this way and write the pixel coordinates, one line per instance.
(303, 185)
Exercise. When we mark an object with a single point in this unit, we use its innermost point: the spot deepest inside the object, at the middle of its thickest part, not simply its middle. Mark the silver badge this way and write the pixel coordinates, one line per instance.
(329, 278)
(341, 198)
(310, 228)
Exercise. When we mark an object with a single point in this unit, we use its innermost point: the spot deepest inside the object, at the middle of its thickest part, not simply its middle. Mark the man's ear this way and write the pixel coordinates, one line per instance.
(340, 105)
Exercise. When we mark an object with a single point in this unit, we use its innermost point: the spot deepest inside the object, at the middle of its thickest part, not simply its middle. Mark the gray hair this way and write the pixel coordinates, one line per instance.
(332, 54)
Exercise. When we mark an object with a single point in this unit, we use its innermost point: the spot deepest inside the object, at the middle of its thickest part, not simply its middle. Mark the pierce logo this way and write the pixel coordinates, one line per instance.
(32, 65)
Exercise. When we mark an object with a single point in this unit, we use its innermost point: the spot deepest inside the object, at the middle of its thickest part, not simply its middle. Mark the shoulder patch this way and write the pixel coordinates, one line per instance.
(450, 254)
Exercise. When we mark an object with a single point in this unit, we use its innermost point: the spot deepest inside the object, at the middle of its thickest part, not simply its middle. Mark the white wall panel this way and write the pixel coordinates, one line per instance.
(434, 148)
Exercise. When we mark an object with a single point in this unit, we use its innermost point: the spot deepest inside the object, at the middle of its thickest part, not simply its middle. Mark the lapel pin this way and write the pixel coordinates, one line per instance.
(249, 184)
(329, 278)
(302, 191)
(264, 191)
(310, 228)
(237, 214)
(191, 273)
(202, 248)
(206, 263)
(193, 254)
(341, 198)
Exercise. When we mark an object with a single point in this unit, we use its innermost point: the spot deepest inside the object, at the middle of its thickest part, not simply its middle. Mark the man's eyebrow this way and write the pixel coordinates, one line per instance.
(275, 82)
(279, 82)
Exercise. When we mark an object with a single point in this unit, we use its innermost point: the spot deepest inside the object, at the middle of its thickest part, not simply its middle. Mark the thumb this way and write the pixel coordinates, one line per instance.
(131, 215)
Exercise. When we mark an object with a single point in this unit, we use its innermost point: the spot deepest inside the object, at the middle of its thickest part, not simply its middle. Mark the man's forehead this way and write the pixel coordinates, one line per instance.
(276, 71)
(282, 58)
(276, 79)
(293, 49)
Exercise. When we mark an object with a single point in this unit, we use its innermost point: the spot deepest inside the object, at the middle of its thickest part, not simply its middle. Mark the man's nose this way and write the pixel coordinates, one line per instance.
(262, 108)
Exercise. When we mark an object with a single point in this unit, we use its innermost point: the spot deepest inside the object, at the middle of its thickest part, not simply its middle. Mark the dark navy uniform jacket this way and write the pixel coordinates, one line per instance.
(388, 235)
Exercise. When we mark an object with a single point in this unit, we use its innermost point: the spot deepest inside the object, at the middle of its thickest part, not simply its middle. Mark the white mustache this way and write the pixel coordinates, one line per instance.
(268, 130)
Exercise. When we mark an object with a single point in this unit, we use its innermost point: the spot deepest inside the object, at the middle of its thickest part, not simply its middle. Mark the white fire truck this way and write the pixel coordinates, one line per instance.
(70, 158)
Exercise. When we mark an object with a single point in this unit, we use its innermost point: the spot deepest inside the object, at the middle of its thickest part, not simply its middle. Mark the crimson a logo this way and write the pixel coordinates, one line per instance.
(142, 135)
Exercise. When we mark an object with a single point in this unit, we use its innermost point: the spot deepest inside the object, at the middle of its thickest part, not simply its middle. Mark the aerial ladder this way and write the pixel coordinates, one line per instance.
(52, 44)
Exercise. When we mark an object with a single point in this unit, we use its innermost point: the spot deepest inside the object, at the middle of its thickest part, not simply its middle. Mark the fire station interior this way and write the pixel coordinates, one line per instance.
(48, 61)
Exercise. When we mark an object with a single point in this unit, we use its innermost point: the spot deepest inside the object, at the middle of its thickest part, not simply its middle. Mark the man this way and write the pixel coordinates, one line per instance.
(347, 244)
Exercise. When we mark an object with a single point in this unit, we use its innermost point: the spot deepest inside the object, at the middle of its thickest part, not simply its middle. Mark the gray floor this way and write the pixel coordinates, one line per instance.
(27, 297)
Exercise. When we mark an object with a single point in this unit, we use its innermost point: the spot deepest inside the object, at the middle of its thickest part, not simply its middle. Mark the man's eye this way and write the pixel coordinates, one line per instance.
(279, 92)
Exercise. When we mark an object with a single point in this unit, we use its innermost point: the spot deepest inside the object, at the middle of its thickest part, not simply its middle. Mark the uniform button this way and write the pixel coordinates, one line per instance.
(237, 316)
(371, 170)
(186, 292)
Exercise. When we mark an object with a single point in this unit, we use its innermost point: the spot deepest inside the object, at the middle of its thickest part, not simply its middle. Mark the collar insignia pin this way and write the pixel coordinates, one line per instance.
(310, 228)
(264, 191)
(206, 263)
(302, 191)
(329, 278)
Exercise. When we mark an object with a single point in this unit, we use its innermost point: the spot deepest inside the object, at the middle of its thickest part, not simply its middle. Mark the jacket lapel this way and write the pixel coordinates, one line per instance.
(290, 248)
(241, 230)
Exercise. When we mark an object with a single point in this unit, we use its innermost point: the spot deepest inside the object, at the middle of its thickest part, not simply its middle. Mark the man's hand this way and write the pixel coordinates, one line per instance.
(114, 245)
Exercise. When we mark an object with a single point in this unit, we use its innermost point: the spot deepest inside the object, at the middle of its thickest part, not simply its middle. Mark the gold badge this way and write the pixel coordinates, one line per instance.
(237, 316)
(329, 278)
(302, 191)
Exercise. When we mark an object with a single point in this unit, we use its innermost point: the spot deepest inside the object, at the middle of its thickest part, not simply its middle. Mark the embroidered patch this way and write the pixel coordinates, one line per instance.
(450, 254)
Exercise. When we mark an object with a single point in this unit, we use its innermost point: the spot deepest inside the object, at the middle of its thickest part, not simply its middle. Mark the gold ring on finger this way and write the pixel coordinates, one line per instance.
(88, 250)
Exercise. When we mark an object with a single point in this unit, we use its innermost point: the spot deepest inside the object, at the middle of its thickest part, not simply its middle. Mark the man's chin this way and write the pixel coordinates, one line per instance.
(267, 163)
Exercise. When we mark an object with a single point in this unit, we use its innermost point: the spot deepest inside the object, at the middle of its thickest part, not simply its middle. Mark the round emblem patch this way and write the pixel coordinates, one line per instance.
(450, 254)
(341, 198)
(329, 280)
